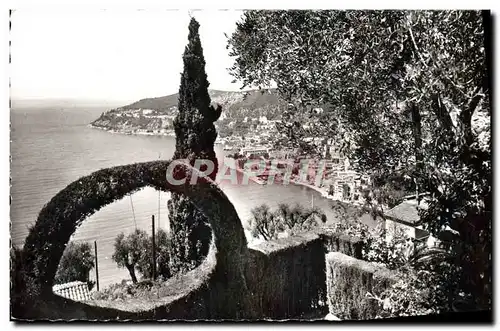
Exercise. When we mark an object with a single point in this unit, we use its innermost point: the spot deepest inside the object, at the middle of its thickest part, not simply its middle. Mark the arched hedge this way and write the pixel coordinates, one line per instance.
(60, 217)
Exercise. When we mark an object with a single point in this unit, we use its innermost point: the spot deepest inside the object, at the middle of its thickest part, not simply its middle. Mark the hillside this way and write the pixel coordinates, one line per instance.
(155, 115)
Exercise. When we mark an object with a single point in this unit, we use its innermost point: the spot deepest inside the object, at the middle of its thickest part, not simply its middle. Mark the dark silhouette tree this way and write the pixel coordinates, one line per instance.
(195, 137)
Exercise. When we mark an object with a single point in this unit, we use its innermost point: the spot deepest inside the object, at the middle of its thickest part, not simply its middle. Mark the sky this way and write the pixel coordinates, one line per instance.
(112, 54)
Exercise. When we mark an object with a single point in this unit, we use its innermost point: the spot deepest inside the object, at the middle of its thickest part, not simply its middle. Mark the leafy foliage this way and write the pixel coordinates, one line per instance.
(429, 278)
(400, 89)
(75, 264)
(292, 220)
(421, 291)
(135, 253)
(163, 244)
(131, 250)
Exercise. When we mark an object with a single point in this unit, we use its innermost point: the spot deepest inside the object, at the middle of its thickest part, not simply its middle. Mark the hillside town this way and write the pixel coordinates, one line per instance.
(251, 137)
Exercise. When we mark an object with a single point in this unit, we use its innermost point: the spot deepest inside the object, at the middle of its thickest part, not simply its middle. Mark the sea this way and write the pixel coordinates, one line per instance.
(53, 146)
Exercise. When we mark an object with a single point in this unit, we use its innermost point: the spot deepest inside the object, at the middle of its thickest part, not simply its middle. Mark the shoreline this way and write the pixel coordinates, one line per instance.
(321, 191)
(135, 133)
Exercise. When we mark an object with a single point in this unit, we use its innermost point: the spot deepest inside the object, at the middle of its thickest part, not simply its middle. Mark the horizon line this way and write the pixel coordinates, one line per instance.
(72, 98)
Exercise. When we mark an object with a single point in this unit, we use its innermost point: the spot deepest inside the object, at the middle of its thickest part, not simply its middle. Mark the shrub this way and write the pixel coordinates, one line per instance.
(291, 220)
(421, 292)
(428, 277)
(392, 253)
(75, 264)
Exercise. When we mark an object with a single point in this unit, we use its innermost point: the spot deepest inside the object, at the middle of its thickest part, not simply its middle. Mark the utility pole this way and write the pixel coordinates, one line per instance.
(154, 246)
(159, 200)
(96, 266)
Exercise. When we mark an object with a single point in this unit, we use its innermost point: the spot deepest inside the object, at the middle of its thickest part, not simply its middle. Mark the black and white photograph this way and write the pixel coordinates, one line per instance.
(307, 165)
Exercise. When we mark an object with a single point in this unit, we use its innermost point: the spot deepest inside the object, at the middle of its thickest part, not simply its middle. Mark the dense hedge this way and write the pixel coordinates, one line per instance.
(60, 217)
(348, 282)
(288, 277)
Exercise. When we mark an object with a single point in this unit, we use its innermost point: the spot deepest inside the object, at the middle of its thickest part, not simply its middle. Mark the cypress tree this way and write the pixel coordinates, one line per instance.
(195, 137)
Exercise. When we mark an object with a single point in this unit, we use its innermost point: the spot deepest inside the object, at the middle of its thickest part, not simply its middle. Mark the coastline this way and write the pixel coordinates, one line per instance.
(252, 178)
(134, 133)
(321, 191)
(137, 133)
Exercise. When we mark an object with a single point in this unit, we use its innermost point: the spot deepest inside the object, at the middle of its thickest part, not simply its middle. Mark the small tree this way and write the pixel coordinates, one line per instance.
(264, 223)
(75, 264)
(130, 250)
(144, 265)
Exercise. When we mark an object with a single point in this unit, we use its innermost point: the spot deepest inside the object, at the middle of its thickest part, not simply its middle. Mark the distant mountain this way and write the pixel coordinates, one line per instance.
(229, 100)
(155, 115)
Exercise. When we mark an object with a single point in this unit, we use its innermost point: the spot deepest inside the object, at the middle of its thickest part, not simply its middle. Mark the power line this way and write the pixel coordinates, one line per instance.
(133, 212)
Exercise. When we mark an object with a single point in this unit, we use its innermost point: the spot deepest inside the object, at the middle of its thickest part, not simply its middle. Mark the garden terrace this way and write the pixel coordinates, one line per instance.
(281, 279)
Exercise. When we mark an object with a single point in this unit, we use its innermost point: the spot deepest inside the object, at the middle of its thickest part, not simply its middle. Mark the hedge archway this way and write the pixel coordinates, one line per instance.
(61, 216)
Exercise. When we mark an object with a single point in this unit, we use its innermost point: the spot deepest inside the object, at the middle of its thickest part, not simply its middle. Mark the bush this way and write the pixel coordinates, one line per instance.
(428, 277)
(421, 292)
(76, 263)
(291, 220)
(393, 253)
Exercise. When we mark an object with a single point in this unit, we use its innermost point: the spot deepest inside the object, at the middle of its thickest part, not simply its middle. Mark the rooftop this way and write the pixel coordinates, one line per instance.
(76, 291)
(406, 212)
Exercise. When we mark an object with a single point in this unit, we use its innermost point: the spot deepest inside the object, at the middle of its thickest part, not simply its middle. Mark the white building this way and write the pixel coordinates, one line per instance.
(256, 150)
(405, 217)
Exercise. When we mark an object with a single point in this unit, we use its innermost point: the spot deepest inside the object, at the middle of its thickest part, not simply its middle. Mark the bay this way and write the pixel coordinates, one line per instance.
(54, 146)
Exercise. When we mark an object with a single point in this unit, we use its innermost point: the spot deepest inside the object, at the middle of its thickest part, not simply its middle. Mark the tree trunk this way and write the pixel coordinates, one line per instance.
(417, 134)
(488, 50)
(131, 271)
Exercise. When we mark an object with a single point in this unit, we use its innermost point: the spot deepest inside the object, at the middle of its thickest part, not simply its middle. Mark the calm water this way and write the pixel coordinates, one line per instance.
(51, 148)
